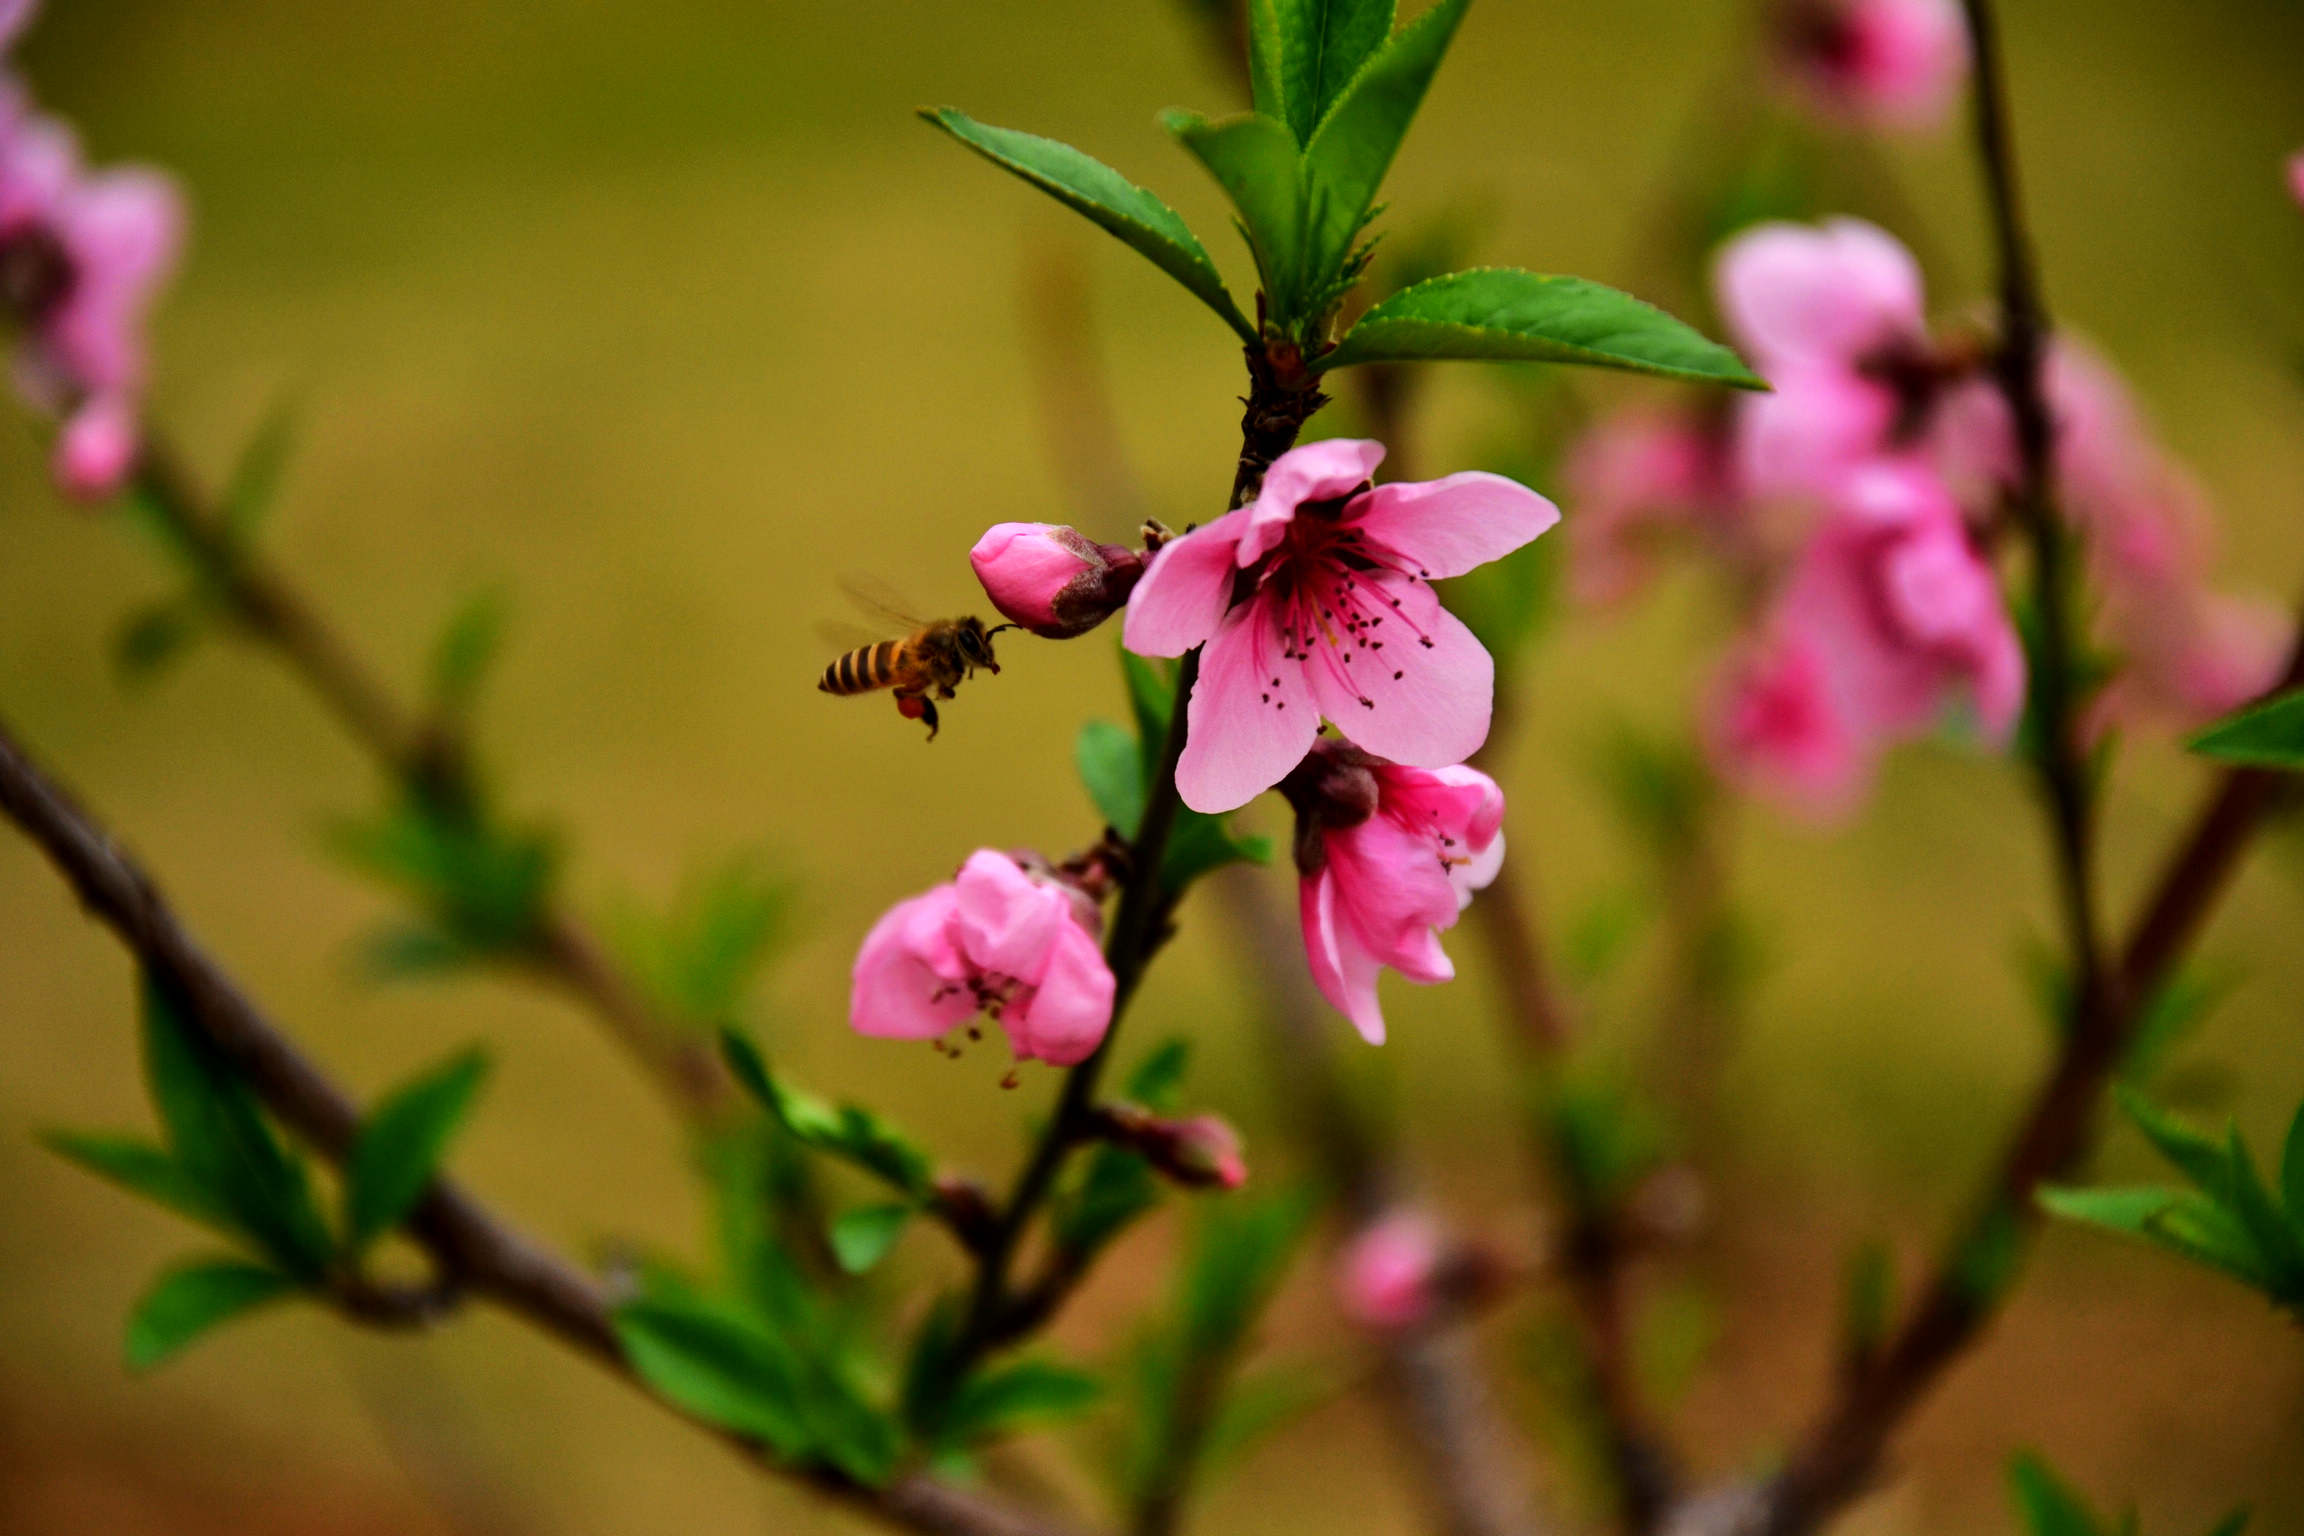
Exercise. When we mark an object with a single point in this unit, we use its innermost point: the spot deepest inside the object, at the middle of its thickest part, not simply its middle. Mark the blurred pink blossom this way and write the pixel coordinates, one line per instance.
(1053, 580)
(998, 940)
(15, 16)
(2296, 177)
(1888, 618)
(1834, 317)
(2185, 652)
(1388, 857)
(82, 255)
(1387, 1276)
(1896, 64)
(1631, 481)
(1325, 564)
(1775, 727)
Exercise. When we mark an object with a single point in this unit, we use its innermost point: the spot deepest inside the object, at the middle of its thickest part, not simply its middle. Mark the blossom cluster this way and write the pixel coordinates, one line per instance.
(1312, 603)
(1859, 504)
(82, 253)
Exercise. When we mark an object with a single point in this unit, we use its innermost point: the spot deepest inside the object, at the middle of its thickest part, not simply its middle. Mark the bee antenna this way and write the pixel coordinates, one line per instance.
(997, 628)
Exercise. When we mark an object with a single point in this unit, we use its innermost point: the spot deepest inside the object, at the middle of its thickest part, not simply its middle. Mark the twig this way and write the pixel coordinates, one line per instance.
(488, 1257)
(421, 755)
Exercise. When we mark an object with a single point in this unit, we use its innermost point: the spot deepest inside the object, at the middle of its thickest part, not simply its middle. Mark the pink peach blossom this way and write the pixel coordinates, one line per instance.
(1388, 856)
(1387, 1277)
(1909, 615)
(1052, 580)
(1633, 479)
(1888, 618)
(1882, 63)
(1834, 318)
(1776, 728)
(81, 256)
(15, 16)
(1322, 564)
(96, 450)
(998, 940)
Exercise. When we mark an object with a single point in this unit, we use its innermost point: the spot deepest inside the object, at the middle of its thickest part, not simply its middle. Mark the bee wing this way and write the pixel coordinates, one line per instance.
(844, 637)
(881, 601)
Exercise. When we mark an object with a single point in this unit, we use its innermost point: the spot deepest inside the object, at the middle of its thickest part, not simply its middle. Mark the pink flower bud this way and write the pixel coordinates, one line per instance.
(1052, 580)
(1207, 1145)
(97, 449)
(1387, 1276)
(2296, 177)
(1882, 63)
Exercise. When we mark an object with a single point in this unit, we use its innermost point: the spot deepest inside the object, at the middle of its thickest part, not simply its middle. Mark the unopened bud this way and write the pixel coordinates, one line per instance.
(1333, 788)
(1052, 580)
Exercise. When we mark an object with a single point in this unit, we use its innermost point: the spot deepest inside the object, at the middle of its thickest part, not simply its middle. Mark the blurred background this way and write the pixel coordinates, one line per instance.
(661, 315)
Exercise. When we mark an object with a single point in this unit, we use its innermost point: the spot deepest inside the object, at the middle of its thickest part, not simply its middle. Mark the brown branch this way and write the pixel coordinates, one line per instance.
(472, 1248)
(419, 754)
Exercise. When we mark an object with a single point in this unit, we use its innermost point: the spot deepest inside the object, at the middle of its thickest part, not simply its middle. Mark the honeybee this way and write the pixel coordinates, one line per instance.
(924, 666)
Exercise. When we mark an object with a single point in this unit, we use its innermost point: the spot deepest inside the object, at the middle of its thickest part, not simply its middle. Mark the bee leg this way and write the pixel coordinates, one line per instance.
(928, 713)
(944, 691)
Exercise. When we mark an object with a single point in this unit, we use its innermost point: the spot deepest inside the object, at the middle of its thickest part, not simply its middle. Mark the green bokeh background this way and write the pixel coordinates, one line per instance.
(661, 315)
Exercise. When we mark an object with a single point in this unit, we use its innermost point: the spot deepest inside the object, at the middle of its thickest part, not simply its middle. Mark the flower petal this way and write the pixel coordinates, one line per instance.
(1795, 294)
(1344, 972)
(1447, 527)
(1185, 590)
(1252, 716)
(1005, 920)
(1064, 1019)
(1319, 471)
(903, 985)
(1423, 700)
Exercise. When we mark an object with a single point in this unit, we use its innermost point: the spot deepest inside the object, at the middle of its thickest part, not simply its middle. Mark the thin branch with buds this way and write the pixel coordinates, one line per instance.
(422, 756)
(473, 1249)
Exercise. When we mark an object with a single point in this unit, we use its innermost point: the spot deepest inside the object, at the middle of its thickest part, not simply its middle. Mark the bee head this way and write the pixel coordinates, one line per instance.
(976, 643)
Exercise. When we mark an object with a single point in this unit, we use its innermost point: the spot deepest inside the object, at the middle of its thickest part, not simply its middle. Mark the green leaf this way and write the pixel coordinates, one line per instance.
(2232, 1524)
(152, 638)
(218, 1136)
(482, 883)
(2267, 735)
(400, 1145)
(468, 644)
(1255, 161)
(719, 1365)
(141, 1168)
(1112, 768)
(2185, 1223)
(1237, 1263)
(1009, 1397)
(2132, 1211)
(2048, 1506)
(1093, 189)
(192, 1298)
(1868, 1300)
(254, 488)
(847, 1131)
(2199, 1157)
(701, 957)
(1322, 45)
(1346, 158)
(2292, 1169)
(1157, 1079)
(1255, 1408)
(412, 951)
(1152, 695)
(1266, 67)
(2275, 1240)
(1199, 844)
(862, 1237)
(1503, 314)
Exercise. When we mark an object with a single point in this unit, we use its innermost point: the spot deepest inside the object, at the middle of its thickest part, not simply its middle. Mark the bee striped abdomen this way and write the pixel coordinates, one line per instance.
(863, 669)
